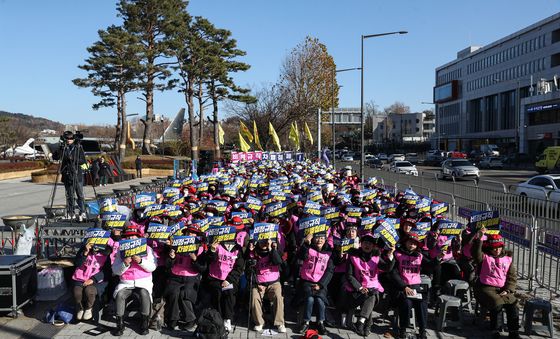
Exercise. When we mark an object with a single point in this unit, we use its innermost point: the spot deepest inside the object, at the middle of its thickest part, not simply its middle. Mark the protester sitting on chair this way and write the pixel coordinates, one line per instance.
(264, 262)
(362, 284)
(90, 278)
(495, 288)
(182, 286)
(135, 277)
(315, 274)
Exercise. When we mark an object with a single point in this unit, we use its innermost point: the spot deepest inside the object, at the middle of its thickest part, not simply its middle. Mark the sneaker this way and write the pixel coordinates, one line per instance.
(258, 328)
(87, 314)
(80, 315)
(304, 327)
(281, 329)
(190, 326)
(227, 324)
(321, 328)
(172, 325)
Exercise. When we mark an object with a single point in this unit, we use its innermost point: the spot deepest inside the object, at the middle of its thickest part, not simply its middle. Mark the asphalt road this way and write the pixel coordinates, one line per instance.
(487, 176)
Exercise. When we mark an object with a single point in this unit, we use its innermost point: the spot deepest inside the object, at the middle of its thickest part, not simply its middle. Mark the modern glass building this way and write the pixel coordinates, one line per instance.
(504, 93)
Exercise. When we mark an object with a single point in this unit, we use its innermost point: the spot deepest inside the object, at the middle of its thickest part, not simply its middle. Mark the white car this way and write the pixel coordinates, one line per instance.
(347, 158)
(545, 187)
(369, 157)
(404, 167)
(491, 162)
(459, 168)
(396, 157)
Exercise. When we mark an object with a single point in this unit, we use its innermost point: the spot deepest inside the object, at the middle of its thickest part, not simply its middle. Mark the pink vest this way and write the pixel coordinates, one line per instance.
(91, 266)
(315, 266)
(135, 271)
(266, 270)
(366, 272)
(158, 250)
(434, 252)
(493, 271)
(409, 268)
(183, 265)
(220, 268)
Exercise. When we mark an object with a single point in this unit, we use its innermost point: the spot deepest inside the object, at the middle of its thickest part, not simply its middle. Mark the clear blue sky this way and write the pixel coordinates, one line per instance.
(43, 42)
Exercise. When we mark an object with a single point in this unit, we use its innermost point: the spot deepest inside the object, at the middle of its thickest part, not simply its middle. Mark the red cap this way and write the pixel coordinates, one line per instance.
(237, 222)
(493, 241)
(131, 230)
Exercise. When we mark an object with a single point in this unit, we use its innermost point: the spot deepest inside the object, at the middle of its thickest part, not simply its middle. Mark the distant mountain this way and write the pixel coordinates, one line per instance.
(33, 124)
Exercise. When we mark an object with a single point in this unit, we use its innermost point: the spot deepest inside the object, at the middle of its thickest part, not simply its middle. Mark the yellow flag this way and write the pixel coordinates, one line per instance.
(294, 136)
(308, 133)
(245, 131)
(256, 136)
(243, 145)
(274, 136)
(220, 134)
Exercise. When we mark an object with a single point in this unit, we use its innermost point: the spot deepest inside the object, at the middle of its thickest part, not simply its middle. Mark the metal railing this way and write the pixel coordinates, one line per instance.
(529, 226)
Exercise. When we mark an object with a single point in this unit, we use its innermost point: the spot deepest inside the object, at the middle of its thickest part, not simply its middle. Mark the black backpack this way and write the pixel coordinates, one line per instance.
(210, 325)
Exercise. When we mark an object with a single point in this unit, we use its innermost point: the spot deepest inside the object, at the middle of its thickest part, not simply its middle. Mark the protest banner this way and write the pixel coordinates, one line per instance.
(98, 237)
(159, 232)
(131, 247)
(312, 225)
(220, 205)
(144, 199)
(488, 219)
(422, 229)
(216, 221)
(264, 231)
(315, 196)
(173, 210)
(330, 213)
(389, 207)
(395, 222)
(254, 203)
(344, 244)
(439, 208)
(367, 223)
(221, 234)
(185, 244)
(202, 224)
(276, 209)
(354, 211)
(423, 205)
(388, 233)
(154, 210)
(113, 220)
(169, 192)
(410, 199)
(312, 208)
(450, 228)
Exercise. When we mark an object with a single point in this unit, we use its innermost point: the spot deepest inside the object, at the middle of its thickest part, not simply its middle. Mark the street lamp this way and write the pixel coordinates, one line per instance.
(334, 71)
(362, 95)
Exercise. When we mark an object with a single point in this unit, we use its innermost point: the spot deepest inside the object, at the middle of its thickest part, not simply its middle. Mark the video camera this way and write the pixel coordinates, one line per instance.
(77, 136)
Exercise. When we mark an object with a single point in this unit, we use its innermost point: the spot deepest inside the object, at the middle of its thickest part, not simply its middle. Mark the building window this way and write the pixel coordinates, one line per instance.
(554, 60)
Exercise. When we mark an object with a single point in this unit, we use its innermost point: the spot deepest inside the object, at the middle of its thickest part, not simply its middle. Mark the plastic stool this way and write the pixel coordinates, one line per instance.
(426, 280)
(396, 319)
(460, 289)
(445, 302)
(545, 307)
(481, 311)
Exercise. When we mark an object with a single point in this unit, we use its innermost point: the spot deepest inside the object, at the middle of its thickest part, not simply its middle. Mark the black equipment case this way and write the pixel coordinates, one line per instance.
(18, 281)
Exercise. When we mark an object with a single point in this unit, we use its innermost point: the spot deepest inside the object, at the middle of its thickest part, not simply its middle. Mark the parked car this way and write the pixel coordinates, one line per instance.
(412, 157)
(396, 157)
(374, 163)
(491, 162)
(382, 156)
(455, 155)
(347, 158)
(545, 187)
(459, 169)
(434, 158)
(404, 167)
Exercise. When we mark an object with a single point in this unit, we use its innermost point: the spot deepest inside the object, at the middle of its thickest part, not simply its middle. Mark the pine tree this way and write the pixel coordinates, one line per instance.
(154, 23)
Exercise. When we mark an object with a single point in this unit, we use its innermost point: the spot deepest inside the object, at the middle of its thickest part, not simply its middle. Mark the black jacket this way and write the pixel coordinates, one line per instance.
(72, 157)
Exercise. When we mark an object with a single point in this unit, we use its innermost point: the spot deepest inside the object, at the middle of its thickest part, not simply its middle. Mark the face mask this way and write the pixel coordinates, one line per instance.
(348, 173)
